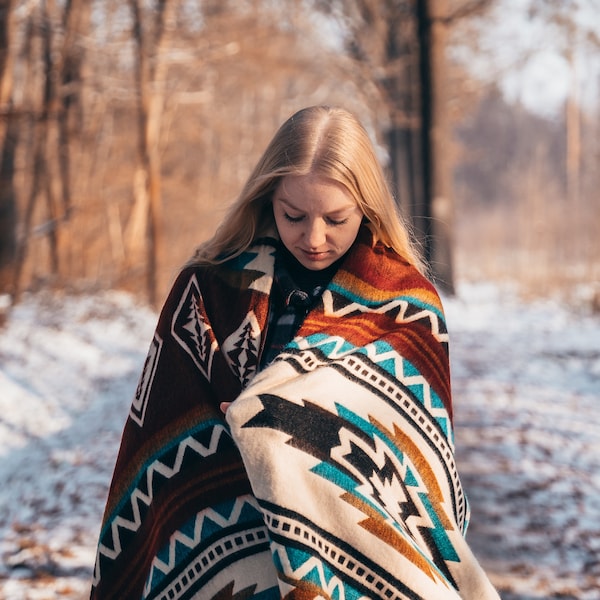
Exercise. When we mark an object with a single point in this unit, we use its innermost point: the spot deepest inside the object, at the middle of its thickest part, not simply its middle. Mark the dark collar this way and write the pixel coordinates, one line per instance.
(298, 285)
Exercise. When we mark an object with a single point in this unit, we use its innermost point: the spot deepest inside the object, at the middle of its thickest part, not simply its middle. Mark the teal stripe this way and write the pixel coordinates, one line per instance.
(298, 557)
(369, 428)
(442, 541)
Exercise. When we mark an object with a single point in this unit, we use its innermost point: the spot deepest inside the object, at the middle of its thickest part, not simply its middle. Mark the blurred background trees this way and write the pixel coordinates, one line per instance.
(127, 127)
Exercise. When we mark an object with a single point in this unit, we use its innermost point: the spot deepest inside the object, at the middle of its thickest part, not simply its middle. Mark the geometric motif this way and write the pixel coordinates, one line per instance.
(142, 393)
(418, 408)
(325, 348)
(241, 348)
(200, 568)
(191, 329)
(404, 486)
(357, 412)
(379, 472)
(339, 303)
(212, 539)
(344, 572)
(204, 442)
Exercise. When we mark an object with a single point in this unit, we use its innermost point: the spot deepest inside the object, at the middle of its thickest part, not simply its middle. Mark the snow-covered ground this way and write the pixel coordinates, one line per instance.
(526, 388)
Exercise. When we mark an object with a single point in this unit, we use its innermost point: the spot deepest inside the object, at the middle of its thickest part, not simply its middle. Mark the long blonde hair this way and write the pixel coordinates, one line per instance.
(320, 139)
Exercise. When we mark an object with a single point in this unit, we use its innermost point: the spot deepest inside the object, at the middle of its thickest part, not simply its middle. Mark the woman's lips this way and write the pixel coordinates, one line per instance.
(315, 255)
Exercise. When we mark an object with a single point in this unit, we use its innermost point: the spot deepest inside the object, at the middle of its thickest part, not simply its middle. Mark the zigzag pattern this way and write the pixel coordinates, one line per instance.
(244, 508)
(217, 555)
(138, 498)
(415, 501)
(401, 305)
(299, 566)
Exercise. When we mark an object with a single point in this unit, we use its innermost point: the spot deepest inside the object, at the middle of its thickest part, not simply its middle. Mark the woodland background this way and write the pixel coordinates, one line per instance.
(126, 127)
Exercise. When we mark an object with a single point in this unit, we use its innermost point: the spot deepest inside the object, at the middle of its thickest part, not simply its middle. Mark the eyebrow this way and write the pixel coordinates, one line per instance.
(289, 204)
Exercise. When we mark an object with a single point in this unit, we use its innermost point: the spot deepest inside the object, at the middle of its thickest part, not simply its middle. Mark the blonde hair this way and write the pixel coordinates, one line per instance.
(328, 141)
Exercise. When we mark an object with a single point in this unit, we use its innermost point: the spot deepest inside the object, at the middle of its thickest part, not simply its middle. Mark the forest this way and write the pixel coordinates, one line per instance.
(127, 127)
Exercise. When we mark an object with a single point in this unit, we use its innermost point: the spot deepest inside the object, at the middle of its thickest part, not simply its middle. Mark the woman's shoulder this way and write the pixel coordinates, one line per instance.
(239, 272)
(379, 272)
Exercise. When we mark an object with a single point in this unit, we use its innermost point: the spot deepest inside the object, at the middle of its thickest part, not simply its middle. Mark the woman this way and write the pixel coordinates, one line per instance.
(291, 434)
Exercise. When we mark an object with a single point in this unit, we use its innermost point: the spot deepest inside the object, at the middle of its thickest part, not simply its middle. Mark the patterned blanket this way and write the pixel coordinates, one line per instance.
(334, 474)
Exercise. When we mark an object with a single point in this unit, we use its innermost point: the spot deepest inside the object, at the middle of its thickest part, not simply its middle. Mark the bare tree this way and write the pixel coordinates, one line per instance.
(8, 144)
(402, 44)
(58, 91)
(566, 171)
(150, 71)
(383, 37)
(40, 34)
(76, 22)
(435, 134)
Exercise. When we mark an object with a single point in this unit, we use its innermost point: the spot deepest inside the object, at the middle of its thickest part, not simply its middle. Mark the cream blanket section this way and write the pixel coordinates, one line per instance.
(349, 453)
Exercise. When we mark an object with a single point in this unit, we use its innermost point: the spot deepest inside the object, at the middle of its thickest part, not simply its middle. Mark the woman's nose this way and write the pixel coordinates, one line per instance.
(315, 234)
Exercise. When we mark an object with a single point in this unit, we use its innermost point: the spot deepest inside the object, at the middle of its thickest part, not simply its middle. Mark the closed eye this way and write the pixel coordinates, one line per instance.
(291, 219)
(330, 221)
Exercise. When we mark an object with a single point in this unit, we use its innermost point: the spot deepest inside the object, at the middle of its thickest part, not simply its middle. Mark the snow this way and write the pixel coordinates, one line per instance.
(526, 381)
(68, 370)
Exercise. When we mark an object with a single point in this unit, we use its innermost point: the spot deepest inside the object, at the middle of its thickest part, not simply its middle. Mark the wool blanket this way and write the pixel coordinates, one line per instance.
(333, 474)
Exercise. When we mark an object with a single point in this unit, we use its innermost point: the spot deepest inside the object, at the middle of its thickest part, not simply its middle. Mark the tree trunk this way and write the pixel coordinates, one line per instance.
(76, 23)
(148, 203)
(40, 176)
(406, 42)
(8, 143)
(573, 159)
(436, 140)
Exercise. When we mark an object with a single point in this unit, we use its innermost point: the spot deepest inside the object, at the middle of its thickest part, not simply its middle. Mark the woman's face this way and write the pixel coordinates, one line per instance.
(317, 219)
